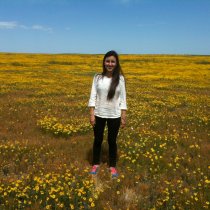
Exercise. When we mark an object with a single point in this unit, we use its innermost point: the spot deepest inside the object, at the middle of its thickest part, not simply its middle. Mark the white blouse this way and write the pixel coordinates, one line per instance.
(98, 97)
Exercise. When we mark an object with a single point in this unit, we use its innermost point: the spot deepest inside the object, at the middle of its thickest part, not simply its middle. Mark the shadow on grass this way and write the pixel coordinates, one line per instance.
(104, 155)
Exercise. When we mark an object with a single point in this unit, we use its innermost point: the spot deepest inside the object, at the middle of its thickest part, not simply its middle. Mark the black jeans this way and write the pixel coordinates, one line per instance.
(113, 128)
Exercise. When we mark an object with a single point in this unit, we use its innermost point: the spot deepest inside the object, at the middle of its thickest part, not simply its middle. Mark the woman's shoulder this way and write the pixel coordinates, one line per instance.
(122, 78)
(97, 76)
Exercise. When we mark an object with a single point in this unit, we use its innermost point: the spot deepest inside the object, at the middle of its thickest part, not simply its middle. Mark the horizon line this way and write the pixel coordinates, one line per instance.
(76, 53)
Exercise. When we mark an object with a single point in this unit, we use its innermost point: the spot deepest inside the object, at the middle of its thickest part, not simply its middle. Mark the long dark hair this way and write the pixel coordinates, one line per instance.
(115, 75)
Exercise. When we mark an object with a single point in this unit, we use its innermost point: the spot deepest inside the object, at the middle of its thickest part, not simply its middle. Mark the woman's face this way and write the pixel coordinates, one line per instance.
(110, 63)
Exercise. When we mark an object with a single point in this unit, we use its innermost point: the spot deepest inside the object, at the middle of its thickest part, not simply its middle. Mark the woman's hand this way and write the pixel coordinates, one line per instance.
(123, 118)
(92, 120)
(92, 116)
(123, 122)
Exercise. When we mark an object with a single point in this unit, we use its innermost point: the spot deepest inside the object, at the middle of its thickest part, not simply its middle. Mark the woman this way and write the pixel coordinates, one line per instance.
(107, 105)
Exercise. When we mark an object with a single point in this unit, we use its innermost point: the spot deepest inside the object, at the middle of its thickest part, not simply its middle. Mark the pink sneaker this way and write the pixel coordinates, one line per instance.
(113, 172)
(94, 169)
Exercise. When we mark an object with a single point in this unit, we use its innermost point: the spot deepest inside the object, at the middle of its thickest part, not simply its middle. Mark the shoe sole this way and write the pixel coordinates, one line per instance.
(114, 176)
(94, 173)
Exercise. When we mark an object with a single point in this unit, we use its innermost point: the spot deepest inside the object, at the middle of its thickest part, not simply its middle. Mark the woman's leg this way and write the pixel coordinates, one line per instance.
(98, 139)
(113, 128)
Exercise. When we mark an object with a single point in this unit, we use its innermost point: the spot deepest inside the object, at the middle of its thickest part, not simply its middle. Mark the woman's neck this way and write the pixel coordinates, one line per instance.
(109, 74)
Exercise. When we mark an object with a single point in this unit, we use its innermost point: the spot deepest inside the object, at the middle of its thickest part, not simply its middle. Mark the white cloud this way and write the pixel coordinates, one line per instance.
(34, 1)
(8, 25)
(14, 25)
(41, 28)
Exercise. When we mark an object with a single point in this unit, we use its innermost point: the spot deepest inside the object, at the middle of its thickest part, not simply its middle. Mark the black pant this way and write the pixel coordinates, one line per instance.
(113, 128)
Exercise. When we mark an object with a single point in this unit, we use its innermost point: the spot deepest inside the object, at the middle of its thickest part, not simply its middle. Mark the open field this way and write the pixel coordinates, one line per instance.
(46, 140)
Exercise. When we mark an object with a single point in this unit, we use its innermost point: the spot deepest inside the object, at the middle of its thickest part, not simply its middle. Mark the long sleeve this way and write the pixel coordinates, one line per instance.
(123, 104)
(92, 100)
(98, 97)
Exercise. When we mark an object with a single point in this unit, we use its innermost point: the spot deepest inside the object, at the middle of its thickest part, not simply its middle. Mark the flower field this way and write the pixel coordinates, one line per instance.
(46, 139)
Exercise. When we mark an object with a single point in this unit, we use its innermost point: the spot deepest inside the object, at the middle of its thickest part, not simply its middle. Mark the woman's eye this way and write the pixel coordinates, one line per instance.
(110, 61)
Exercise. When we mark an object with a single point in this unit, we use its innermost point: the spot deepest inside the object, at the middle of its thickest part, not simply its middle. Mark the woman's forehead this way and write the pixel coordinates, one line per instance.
(111, 58)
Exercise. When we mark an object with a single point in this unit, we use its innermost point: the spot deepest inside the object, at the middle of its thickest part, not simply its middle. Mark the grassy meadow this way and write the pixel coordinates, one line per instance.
(46, 139)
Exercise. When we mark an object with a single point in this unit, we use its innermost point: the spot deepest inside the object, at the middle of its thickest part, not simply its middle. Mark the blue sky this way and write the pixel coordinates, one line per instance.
(96, 26)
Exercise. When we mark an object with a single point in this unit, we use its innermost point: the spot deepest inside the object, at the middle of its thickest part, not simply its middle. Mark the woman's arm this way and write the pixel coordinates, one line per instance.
(92, 102)
(123, 104)
(123, 118)
(92, 116)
